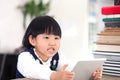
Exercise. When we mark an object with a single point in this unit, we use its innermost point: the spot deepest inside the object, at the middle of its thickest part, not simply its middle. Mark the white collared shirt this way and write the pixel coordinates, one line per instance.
(31, 68)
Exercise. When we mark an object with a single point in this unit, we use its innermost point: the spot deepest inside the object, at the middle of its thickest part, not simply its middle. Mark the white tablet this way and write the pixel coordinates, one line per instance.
(84, 68)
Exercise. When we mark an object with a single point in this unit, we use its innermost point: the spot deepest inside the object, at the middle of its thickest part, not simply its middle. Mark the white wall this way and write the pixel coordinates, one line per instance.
(10, 25)
(71, 15)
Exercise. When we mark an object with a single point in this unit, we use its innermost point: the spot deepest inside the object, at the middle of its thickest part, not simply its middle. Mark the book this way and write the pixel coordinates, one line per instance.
(111, 29)
(111, 16)
(113, 61)
(116, 2)
(114, 24)
(112, 67)
(105, 47)
(109, 33)
(111, 19)
(112, 42)
(108, 10)
(111, 73)
(108, 38)
(107, 54)
(107, 44)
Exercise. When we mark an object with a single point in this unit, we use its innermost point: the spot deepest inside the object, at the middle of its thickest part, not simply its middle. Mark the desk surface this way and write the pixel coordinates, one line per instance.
(24, 79)
(105, 77)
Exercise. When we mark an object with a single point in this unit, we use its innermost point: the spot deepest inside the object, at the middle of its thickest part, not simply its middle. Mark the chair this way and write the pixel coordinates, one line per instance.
(8, 66)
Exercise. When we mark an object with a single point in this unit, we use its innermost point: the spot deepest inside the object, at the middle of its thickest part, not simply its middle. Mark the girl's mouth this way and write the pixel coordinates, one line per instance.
(51, 50)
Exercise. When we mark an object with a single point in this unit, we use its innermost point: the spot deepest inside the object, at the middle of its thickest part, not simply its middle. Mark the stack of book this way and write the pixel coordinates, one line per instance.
(107, 44)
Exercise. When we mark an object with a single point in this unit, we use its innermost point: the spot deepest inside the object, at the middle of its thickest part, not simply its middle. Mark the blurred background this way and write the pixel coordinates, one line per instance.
(80, 20)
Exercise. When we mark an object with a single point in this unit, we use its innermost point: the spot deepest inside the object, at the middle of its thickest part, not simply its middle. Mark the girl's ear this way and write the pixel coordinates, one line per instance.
(31, 40)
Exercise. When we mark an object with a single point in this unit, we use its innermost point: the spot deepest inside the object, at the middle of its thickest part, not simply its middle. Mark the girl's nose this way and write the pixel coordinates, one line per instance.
(52, 42)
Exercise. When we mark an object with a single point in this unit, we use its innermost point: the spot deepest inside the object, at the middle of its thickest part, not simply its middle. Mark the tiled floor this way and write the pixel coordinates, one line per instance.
(106, 77)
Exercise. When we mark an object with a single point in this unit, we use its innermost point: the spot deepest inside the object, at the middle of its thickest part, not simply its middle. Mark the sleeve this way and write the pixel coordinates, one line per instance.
(31, 68)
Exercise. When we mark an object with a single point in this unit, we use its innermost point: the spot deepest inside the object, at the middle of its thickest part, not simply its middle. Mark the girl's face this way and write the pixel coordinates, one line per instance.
(46, 45)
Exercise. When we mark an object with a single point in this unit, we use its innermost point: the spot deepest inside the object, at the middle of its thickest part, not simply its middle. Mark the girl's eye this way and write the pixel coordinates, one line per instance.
(57, 38)
(46, 37)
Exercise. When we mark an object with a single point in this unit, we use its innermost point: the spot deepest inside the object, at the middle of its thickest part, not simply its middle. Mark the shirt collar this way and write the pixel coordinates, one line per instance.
(48, 61)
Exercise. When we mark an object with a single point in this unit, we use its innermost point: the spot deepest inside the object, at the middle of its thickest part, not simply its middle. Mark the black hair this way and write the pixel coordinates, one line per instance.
(40, 25)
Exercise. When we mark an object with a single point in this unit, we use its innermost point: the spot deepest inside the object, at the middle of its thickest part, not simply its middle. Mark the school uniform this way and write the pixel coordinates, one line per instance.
(29, 67)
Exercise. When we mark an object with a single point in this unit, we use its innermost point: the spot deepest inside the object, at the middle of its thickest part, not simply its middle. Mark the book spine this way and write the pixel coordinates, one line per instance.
(116, 2)
(111, 19)
(109, 10)
(108, 42)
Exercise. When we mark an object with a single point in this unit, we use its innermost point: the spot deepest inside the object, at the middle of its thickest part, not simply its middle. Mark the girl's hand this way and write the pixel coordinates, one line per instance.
(97, 75)
(62, 74)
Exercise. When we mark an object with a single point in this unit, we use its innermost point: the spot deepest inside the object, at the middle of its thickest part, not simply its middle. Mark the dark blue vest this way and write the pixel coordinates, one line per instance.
(53, 66)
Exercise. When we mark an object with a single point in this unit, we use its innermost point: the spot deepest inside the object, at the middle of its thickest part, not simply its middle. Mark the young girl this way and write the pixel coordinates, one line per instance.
(40, 58)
